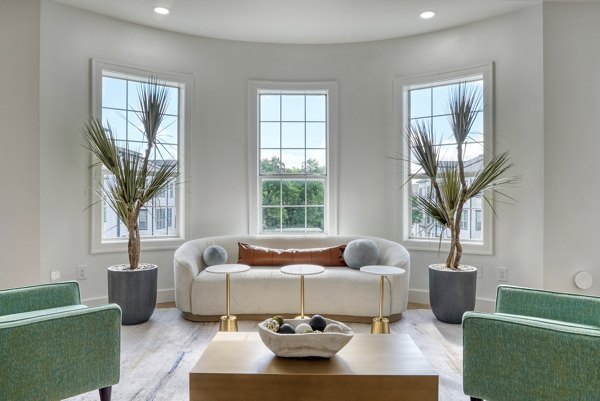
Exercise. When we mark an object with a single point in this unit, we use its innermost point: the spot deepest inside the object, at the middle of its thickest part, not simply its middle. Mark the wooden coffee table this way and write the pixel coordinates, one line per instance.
(239, 367)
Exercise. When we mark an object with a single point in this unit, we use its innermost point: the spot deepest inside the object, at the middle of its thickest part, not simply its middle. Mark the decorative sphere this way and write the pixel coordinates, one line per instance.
(317, 322)
(279, 319)
(272, 325)
(302, 328)
(286, 328)
(333, 328)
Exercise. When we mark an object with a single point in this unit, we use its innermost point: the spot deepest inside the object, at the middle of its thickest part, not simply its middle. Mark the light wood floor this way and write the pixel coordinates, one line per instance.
(156, 356)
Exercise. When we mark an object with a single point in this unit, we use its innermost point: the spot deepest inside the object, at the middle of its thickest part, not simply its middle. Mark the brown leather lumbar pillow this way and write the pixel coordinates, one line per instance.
(259, 256)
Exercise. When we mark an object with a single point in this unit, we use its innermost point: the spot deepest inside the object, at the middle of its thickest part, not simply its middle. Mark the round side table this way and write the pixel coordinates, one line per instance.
(302, 270)
(381, 325)
(228, 322)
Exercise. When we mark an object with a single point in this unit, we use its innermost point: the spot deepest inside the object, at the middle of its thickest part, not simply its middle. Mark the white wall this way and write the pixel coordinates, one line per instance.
(514, 43)
(20, 149)
(222, 69)
(572, 143)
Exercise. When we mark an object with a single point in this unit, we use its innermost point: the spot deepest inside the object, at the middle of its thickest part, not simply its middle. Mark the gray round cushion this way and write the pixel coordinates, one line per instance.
(361, 252)
(214, 255)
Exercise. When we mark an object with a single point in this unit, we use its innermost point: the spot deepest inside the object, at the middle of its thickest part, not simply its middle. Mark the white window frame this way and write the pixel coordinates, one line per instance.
(401, 192)
(330, 211)
(184, 189)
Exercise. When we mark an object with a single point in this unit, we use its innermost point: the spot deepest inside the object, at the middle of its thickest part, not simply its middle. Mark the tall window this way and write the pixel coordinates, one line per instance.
(116, 103)
(424, 99)
(292, 158)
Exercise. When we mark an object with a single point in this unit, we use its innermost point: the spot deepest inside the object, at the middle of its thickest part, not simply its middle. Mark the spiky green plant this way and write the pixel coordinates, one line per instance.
(450, 190)
(135, 178)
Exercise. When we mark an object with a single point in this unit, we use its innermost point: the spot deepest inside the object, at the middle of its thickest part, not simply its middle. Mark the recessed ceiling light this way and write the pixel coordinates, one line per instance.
(427, 14)
(161, 10)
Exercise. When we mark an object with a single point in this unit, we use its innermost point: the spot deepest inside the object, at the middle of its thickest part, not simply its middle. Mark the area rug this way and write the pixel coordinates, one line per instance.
(156, 356)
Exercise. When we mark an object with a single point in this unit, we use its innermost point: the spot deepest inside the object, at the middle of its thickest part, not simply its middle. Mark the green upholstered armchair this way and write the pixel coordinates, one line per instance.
(52, 347)
(538, 345)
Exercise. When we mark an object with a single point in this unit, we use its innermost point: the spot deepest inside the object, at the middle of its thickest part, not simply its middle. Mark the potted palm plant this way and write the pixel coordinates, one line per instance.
(134, 180)
(452, 286)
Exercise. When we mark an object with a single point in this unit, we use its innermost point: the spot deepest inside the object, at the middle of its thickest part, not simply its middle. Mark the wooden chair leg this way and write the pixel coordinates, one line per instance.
(105, 393)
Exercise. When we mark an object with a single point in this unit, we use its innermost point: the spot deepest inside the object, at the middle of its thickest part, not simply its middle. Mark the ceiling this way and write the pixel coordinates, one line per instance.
(301, 21)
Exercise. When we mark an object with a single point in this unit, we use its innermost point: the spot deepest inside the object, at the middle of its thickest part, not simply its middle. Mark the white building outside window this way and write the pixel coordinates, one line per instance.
(424, 99)
(292, 158)
(143, 220)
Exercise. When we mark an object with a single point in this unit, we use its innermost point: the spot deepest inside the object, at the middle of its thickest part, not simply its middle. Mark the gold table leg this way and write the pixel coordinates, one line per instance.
(302, 299)
(228, 322)
(380, 325)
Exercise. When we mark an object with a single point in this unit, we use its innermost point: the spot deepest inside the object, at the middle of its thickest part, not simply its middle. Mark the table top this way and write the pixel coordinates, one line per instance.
(383, 270)
(228, 268)
(366, 354)
(302, 270)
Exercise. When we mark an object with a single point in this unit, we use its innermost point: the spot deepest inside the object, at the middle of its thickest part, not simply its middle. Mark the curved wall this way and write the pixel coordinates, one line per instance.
(364, 72)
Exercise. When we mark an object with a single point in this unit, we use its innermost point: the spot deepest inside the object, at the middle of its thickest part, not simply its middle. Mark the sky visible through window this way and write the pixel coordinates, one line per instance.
(293, 128)
(119, 106)
(430, 106)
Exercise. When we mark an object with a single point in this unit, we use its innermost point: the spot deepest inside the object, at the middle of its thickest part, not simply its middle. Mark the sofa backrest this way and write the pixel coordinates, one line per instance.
(392, 253)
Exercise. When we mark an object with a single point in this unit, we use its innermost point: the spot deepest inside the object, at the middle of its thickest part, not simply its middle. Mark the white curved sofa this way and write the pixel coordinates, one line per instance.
(340, 292)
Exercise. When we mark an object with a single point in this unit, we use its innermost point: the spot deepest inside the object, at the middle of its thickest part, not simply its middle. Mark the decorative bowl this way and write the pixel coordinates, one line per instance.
(324, 345)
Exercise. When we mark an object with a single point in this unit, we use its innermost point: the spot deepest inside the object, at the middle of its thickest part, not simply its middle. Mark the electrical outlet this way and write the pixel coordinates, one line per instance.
(81, 272)
(54, 275)
(502, 274)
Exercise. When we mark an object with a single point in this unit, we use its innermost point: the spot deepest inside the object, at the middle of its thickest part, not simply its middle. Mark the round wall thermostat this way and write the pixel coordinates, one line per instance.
(583, 280)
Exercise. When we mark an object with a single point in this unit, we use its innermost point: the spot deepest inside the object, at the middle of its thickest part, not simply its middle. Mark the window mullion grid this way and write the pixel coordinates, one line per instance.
(471, 209)
(281, 176)
(127, 140)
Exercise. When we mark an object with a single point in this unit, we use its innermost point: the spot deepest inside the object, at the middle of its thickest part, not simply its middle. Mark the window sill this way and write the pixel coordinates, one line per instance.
(469, 248)
(148, 244)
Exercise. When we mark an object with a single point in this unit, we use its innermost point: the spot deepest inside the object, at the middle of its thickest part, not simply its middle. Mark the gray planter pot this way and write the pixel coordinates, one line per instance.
(134, 291)
(452, 293)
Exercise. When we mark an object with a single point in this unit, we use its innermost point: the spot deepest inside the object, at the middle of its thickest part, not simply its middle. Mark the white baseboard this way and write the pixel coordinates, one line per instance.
(162, 296)
(416, 296)
(422, 297)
